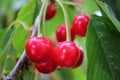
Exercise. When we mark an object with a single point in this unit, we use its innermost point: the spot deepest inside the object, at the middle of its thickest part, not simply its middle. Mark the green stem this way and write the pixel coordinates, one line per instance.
(72, 3)
(66, 20)
(44, 15)
(40, 18)
(75, 4)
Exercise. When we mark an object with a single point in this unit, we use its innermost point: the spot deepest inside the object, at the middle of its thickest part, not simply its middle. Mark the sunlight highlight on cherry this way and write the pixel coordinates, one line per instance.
(39, 49)
(79, 24)
(66, 54)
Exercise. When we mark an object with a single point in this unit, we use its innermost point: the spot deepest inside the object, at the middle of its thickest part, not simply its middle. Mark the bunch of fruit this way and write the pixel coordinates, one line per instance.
(66, 54)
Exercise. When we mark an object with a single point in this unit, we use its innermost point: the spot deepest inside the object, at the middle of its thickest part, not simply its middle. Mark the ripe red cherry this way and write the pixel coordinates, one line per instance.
(46, 67)
(61, 33)
(39, 49)
(51, 11)
(79, 24)
(80, 58)
(66, 54)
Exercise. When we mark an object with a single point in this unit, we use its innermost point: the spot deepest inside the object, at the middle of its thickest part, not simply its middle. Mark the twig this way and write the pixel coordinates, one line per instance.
(21, 62)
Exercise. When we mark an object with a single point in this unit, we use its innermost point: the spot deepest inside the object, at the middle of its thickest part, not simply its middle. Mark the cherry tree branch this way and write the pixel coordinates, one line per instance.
(23, 60)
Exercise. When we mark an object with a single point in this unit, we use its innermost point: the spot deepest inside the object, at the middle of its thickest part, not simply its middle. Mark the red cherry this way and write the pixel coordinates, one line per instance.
(66, 54)
(79, 24)
(46, 67)
(80, 59)
(61, 33)
(51, 11)
(39, 49)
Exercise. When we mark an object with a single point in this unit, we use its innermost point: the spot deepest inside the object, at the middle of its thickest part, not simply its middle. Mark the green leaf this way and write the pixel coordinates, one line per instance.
(115, 7)
(27, 15)
(27, 12)
(109, 11)
(3, 33)
(9, 63)
(3, 55)
(103, 49)
(19, 40)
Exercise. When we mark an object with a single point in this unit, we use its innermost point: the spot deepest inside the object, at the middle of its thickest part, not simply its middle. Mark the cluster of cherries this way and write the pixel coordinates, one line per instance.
(65, 54)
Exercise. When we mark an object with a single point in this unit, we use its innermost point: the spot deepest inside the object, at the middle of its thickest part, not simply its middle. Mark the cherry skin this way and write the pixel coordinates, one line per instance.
(39, 49)
(79, 24)
(61, 33)
(66, 54)
(80, 58)
(51, 11)
(46, 67)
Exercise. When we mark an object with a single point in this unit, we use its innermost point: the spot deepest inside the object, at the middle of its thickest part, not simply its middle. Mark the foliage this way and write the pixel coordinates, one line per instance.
(103, 33)
(101, 45)
(103, 56)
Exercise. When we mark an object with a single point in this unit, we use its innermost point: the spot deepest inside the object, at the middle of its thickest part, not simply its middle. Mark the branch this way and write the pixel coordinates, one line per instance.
(21, 62)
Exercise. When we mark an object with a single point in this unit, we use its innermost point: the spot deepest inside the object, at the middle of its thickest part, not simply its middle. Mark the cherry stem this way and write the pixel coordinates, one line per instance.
(23, 59)
(66, 21)
(72, 3)
(76, 5)
(40, 19)
(44, 16)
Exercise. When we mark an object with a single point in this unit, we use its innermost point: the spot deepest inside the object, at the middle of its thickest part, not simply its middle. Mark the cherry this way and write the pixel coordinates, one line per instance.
(39, 49)
(79, 24)
(51, 11)
(46, 67)
(80, 59)
(66, 54)
(61, 33)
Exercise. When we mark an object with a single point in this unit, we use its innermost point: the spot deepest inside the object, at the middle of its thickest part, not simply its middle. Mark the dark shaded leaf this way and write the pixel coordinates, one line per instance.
(110, 9)
(103, 49)
(114, 6)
